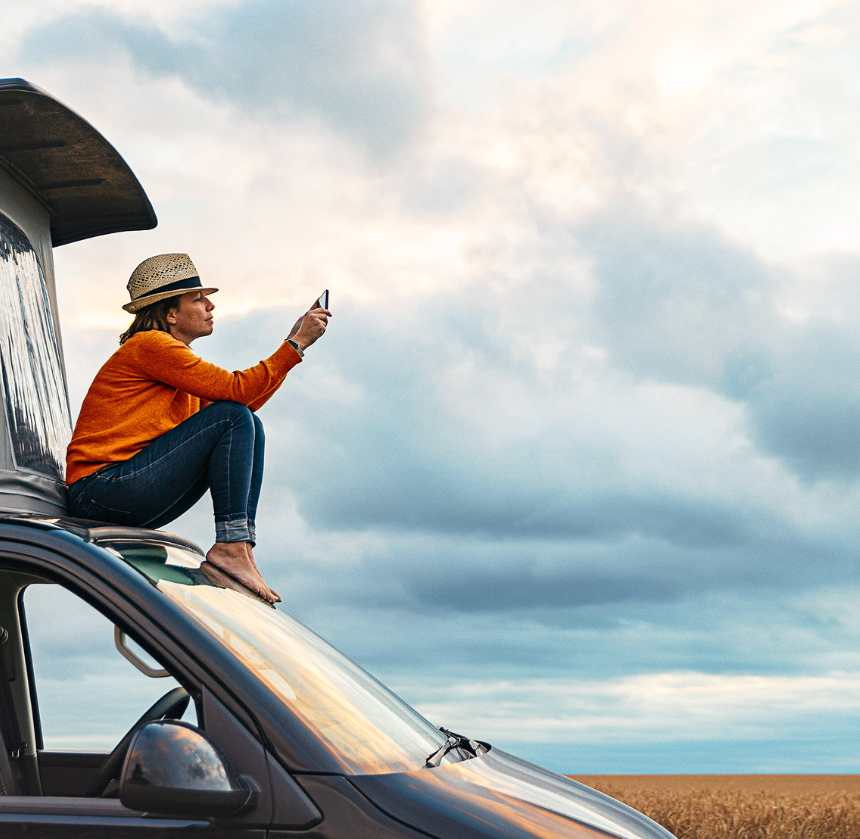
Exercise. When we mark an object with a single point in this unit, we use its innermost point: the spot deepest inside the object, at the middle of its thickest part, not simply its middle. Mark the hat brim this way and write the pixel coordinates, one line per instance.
(143, 302)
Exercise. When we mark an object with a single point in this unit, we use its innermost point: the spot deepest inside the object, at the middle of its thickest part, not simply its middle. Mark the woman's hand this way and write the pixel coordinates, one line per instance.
(309, 327)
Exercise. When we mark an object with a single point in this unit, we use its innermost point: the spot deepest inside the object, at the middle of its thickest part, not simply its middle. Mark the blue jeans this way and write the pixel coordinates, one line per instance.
(220, 448)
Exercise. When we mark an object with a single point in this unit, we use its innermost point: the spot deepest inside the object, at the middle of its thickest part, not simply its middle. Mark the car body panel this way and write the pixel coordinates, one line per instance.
(499, 795)
(348, 814)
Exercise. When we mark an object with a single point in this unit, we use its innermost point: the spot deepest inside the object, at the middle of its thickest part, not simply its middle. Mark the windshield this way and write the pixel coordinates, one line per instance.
(367, 728)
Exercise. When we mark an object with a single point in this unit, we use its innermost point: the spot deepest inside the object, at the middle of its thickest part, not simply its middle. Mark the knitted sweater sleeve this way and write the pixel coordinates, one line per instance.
(163, 358)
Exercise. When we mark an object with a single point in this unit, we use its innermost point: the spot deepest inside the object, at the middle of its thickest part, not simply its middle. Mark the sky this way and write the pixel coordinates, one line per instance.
(576, 467)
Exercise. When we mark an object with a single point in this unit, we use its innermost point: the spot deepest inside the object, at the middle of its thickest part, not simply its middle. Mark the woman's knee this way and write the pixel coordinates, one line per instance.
(258, 425)
(234, 410)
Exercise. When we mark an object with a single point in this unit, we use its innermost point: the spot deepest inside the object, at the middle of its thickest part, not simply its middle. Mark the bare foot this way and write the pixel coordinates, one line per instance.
(250, 551)
(232, 559)
(217, 576)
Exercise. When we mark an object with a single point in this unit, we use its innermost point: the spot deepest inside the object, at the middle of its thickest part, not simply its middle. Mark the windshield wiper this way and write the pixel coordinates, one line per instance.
(454, 741)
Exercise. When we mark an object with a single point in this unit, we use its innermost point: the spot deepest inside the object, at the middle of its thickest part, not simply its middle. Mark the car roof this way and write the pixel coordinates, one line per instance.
(71, 169)
(98, 532)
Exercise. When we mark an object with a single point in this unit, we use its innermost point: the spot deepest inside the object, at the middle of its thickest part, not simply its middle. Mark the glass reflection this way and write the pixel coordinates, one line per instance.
(34, 386)
(366, 727)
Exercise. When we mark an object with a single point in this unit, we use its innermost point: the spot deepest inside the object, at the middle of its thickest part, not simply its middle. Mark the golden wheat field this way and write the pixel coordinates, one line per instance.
(742, 806)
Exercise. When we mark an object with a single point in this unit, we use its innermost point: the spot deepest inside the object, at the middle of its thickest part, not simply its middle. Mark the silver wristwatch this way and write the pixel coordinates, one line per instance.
(295, 345)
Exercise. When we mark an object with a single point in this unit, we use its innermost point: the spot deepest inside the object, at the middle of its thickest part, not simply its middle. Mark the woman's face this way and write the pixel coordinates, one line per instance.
(192, 317)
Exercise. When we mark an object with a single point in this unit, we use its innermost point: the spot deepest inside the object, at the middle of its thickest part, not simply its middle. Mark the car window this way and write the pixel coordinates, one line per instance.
(88, 694)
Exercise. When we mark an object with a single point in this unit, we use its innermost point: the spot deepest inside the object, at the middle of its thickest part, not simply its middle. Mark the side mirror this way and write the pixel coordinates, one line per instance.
(171, 768)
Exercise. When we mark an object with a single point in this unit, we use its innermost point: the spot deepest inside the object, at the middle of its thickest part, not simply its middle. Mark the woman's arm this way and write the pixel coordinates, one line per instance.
(262, 400)
(163, 358)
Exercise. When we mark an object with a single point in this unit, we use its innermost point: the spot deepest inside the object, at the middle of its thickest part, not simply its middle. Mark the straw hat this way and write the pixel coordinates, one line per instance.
(161, 276)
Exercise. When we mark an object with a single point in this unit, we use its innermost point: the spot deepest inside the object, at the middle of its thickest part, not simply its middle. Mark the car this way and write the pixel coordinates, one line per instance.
(289, 735)
(266, 730)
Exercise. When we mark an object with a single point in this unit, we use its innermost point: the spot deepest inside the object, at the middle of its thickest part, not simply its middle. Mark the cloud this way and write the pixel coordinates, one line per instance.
(583, 415)
(634, 719)
(807, 411)
(677, 301)
(359, 68)
(398, 437)
(539, 517)
(634, 708)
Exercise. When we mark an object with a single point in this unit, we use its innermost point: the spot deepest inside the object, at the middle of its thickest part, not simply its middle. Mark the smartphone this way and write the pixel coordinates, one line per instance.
(321, 301)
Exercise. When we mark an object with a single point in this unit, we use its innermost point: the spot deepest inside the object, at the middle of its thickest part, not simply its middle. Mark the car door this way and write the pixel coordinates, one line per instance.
(73, 697)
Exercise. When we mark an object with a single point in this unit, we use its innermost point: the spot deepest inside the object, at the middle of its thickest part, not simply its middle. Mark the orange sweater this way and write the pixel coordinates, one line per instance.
(152, 383)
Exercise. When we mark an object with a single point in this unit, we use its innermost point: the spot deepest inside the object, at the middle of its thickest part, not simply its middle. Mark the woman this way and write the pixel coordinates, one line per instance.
(159, 425)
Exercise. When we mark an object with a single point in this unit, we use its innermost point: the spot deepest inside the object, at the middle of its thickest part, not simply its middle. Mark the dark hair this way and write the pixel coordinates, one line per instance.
(153, 316)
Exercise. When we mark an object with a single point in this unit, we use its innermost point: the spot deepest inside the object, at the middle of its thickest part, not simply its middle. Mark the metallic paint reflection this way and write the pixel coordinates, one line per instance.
(500, 795)
(170, 754)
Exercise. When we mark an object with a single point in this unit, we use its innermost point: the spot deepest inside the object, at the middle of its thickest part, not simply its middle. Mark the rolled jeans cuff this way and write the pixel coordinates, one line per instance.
(233, 530)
